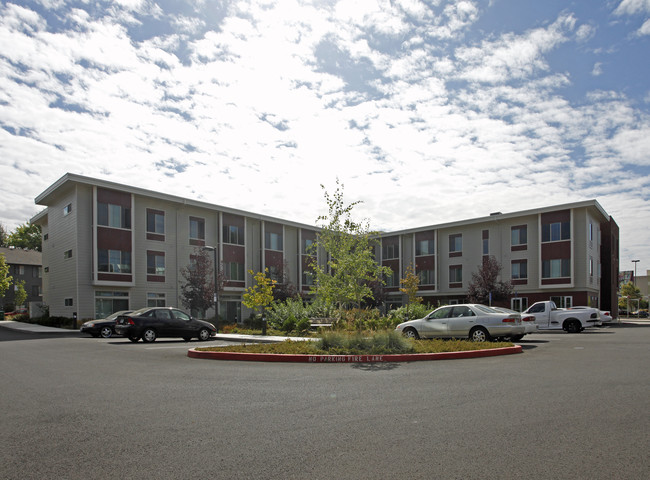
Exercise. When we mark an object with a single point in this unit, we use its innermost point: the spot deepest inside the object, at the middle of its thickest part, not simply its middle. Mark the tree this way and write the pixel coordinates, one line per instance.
(486, 281)
(5, 278)
(27, 235)
(3, 236)
(629, 291)
(197, 286)
(351, 267)
(410, 284)
(259, 295)
(20, 293)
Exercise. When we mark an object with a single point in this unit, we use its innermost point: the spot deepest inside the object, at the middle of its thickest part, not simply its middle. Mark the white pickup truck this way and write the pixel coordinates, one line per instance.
(549, 317)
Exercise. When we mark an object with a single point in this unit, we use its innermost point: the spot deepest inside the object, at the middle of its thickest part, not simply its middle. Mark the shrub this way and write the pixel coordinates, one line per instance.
(289, 324)
(303, 325)
(358, 344)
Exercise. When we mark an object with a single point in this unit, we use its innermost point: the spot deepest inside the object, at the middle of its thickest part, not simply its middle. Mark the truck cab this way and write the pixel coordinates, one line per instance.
(549, 317)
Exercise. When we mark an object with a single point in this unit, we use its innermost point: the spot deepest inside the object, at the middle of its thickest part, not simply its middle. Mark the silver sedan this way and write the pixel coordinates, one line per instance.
(477, 322)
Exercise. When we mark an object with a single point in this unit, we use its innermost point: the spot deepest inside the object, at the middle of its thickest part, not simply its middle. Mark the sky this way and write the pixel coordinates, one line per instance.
(426, 111)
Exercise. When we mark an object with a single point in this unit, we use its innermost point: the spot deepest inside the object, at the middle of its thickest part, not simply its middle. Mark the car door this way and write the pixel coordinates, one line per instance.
(435, 324)
(184, 324)
(165, 323)
(461, 321)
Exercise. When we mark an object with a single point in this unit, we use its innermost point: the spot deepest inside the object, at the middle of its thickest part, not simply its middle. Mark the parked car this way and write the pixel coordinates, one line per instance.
(151, 323)
(640, 314)
(605, 316)
(527, 320)
(104, 327)
(477, 322)
(16, 313)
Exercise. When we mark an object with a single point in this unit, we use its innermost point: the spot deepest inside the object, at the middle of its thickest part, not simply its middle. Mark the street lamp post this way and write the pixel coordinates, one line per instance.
(216, 286)
(635, 262)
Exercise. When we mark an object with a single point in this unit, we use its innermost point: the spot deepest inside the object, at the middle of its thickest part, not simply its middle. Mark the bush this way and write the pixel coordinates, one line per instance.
(406, 313)
(339, 343)
(289, 324)
(303, 325)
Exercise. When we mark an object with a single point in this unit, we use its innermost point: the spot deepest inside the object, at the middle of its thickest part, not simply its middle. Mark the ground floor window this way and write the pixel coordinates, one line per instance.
(107, 303)
(156, 300)
(519, 303)
(562, 302)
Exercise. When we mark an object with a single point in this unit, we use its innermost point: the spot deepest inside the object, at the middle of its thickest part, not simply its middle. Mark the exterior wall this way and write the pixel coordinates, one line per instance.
(593, 236)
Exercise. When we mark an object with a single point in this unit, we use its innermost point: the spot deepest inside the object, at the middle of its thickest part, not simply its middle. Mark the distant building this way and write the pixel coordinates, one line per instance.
(108, 247)
(24, 265)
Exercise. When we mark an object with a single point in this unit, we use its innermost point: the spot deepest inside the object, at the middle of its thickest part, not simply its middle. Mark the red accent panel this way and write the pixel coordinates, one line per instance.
(516, 248)
(155, 278)
(114, 197)
(233, 253)
(114, 277)
(556, 250)
(155, 236)
(555, 281)
(113, 239)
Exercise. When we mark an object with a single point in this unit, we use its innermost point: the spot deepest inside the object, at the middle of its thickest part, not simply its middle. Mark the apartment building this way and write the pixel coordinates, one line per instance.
(24, 266)
(108, 246)
(565, 253)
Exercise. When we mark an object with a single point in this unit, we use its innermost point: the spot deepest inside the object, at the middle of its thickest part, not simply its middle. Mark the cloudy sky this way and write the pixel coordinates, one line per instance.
(427, 111)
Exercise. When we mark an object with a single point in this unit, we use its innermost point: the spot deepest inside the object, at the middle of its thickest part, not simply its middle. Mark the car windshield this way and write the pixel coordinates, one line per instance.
(141, 311)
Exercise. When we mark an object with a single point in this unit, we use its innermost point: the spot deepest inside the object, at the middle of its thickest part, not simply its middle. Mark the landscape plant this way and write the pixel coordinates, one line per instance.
(344, 279)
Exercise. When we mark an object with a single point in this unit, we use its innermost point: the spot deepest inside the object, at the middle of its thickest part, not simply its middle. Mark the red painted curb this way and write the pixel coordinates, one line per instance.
(414, 357)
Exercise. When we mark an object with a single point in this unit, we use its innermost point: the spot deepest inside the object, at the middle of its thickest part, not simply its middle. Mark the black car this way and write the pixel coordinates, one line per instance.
(104, 327)
(151, 323)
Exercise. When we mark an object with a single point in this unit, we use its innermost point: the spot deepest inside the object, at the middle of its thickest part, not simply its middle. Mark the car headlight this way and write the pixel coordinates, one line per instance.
(88, 324)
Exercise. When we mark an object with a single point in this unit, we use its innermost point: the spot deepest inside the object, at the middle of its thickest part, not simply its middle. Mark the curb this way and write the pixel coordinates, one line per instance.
(413, 357)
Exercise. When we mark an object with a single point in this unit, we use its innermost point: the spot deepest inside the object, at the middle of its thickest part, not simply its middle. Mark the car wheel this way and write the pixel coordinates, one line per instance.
(106, 332)
(411, 333)
(479, 334)
(573, 326)
(134, 339)
(204, 334)
(149, 335)
(516, 338)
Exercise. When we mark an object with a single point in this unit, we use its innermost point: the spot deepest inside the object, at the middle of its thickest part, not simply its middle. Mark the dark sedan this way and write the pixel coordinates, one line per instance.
(104, 327)
(151, 323)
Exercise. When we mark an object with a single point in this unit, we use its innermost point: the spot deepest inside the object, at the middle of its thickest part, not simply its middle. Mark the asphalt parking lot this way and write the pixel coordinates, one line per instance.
(570, 406)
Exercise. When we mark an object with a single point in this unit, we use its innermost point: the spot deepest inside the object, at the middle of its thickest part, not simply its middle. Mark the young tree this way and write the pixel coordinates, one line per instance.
(486, 281)
(197, 284)
(27, 235)
(20, 293)
(5, 278)
(259, 295)
(410, 284)
(351, 266)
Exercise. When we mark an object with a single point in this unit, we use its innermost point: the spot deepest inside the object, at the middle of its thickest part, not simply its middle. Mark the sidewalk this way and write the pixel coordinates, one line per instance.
(233, 337)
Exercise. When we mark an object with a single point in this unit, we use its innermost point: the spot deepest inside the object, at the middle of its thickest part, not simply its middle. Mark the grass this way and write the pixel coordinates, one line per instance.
(379, 343)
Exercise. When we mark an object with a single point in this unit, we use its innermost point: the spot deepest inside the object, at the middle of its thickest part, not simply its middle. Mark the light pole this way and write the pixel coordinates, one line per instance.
(216, 286)
(635, 262)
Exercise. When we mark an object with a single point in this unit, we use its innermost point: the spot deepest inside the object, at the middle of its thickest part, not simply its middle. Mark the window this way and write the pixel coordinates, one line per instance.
(155, 263)
(114, 261)
(308, 278)
(67, 254)
(591, 232)
(156, 300)
(20, 269)
(275, 273)
(427, 277)
(37, 272)
(557, 268)
(107, 302)
(455, 243)
(519, 269)
(554, 232)
(233, 234)
(197, 228)
(519, 235)
(67, 209)
(486, 246)
(424, 247)
(46, 237)
(36, 290)
(68, 302)
(234, 271)
(308, 246)
(155, 222)
(273, 241)
(591, 266)
(390, 251)
(114, 216)
(392, 279)
(455, 274)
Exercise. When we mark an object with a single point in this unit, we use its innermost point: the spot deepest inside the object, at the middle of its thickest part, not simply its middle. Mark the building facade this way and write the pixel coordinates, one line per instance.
(24, 266)
(108, 247)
